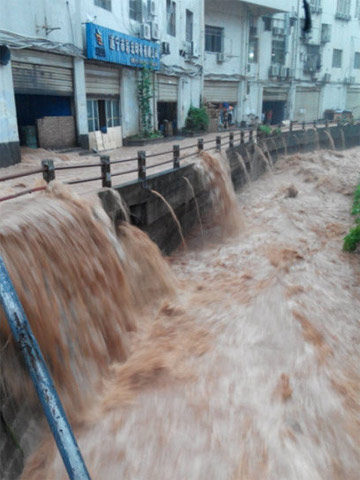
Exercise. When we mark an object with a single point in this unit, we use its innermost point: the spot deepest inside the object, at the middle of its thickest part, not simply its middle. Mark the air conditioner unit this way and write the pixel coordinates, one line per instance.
(274, 71)
(152, 8)
(145, 31)
(165, 48)
(327, 77)
(347, 80)
(278, 31)
(220, 57)
(283, 72)
(352, 80)
(194, 51)
(155, 31)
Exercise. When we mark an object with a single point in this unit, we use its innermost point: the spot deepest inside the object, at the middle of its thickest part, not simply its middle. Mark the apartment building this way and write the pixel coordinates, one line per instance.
(69, 70)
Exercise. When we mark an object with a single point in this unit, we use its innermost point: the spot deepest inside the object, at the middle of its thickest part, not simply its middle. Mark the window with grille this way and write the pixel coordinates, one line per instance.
(214, 38)
(343, 9)
(313, 59)
(337, 58)
(112, 113)
(171, 17)
(136, 10)
(357, 60)
(189, 25)
(315, 6)
(278, 51)
(103, 4)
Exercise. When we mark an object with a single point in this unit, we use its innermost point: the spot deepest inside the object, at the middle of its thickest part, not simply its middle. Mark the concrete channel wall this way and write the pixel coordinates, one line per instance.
(149, 213)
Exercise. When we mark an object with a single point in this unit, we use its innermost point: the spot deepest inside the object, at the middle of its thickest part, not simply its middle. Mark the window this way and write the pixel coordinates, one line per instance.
(313, 59)
(189, 25)
(112, 113)
(171, 17)
(357, 60)
(214, 37)
(337, 58)
(93, 115)
(253, 41)
(103, 113)
(357, 9)
(325, 33)
(103, 4)
(315, 6)
(136, 10)
(278, 50)
(343, 9)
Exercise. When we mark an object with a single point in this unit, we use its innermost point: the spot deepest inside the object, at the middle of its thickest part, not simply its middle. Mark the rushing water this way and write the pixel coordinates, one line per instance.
(251, 369)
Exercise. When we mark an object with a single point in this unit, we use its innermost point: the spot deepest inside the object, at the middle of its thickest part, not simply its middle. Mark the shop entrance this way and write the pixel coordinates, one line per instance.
(167, 118)
(274, 112)
(31, 108)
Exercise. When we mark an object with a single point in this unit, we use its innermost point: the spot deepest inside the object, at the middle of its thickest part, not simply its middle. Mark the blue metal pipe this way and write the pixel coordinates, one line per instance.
(41, 378)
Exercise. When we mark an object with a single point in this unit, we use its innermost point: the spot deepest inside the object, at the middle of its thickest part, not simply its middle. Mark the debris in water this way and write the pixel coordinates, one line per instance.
(291, 192)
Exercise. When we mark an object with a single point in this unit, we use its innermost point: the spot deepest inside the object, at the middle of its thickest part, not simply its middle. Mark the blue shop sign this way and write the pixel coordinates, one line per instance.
(115, 47)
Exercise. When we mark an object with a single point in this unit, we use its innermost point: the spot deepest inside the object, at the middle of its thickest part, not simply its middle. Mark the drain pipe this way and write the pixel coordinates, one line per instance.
(41, 378)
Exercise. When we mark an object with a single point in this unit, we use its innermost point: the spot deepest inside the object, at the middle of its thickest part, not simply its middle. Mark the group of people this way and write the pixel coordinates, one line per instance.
(226, 116)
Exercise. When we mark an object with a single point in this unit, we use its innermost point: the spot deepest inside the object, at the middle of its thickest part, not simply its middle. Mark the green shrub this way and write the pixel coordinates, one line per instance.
(197, 119)
(276, 131)
(352, 239)
(264, 130)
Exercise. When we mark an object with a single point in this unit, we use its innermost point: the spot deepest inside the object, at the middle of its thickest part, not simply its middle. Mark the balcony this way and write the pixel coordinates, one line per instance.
(270, 6)
(257, 7)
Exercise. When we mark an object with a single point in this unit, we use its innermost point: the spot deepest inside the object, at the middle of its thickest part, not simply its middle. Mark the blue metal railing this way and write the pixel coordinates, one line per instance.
(41, 378)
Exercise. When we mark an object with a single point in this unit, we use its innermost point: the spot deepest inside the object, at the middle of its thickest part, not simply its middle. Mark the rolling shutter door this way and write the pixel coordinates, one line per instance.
(167, 88)
(307, 104)
(275, 95)
(102, 80)
(353, 102)
(219, 92)
(41, 73)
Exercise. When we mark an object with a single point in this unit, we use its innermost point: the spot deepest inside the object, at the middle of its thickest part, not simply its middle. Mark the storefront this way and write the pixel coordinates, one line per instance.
(109, 53)
(43, 86)
(353, 102)
(307, 103)
(217, 93)
(274, 104)
(167, 102)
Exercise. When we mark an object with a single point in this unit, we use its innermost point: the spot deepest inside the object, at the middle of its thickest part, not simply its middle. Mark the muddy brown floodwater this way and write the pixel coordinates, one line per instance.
(251, 371)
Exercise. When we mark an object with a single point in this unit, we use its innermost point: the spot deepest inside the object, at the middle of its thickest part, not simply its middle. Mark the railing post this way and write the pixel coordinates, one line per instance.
(251, 135)
(314, 123)
(326, 123)
(242, 137)
(142, 165)
(176, 154)
(49, 170)
(303, 125)
(231, 138)
(105, 171)
(218, 143)
(291, 126)
(200, 144)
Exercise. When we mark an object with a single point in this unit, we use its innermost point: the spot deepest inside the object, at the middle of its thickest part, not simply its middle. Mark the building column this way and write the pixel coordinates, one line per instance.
(80, 103)
(9, 136)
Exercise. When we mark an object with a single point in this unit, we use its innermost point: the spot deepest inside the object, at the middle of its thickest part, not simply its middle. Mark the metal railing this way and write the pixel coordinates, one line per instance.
(231, 139)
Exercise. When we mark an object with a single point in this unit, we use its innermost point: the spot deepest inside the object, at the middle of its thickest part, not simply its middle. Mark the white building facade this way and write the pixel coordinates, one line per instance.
(74, 66)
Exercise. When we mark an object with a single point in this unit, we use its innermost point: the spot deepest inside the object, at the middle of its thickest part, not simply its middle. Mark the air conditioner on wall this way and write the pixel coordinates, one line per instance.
(145, 31)
(194, 51)
(274, 71)
(283, 72)
(220, 57)
(155, 31)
